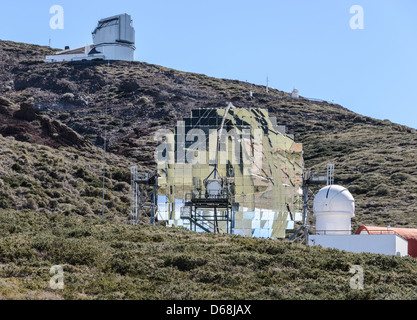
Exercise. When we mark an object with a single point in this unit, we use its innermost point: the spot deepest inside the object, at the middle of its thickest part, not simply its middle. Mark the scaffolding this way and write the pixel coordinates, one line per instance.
(311, 181)
(213, 210)
(144, 197)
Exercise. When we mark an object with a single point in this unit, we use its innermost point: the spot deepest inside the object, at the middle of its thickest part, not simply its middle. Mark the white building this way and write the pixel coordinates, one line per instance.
(333, 209)
(113, 39)
(295, 94)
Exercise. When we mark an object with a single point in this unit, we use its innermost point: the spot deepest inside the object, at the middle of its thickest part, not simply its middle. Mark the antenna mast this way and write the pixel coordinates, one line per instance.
(105, 137)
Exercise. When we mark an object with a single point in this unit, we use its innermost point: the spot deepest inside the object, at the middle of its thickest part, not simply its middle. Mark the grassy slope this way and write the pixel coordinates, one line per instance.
(106, 260)
(65, 180)
(46, 192)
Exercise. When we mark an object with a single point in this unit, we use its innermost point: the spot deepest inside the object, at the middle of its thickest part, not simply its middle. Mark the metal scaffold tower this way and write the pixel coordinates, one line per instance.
(133, 195)
(144, 197)
(311, 181)
(206, 211)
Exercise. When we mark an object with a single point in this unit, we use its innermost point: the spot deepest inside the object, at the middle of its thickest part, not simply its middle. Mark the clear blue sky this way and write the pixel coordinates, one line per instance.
(301, 44)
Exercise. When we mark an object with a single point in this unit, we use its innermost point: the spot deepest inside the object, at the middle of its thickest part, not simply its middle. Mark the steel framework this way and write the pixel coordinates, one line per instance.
(311, 182)
(144, 197)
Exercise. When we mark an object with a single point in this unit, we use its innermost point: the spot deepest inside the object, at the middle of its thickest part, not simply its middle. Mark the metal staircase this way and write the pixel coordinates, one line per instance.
(219, 210)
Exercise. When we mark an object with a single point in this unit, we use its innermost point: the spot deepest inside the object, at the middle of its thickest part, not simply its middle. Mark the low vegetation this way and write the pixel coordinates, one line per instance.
(66, 181)
(102, 259)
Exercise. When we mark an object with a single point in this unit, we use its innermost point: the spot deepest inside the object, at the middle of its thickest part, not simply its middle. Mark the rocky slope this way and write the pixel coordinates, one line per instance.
(375, 159)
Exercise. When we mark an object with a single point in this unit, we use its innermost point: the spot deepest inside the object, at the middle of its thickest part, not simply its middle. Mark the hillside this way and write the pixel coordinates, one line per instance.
(66, 180)
(51, 137)
(375, 159)
(107, 260)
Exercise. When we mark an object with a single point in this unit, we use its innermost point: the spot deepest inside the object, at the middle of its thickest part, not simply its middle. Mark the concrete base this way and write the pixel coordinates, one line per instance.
(389, 244)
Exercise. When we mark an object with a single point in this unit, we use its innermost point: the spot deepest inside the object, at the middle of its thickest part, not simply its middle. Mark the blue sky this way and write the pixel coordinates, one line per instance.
(303, 44)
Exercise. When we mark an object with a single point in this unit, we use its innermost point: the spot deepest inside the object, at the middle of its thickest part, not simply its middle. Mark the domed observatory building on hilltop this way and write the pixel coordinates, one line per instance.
(113, 39)
(333, 208)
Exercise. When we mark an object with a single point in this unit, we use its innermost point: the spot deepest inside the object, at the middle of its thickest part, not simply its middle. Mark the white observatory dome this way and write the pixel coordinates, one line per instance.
(295, 94)
(333, 208)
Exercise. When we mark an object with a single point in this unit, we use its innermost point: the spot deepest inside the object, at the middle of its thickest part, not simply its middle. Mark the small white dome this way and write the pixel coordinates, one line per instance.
(333, 208)
(334, 199)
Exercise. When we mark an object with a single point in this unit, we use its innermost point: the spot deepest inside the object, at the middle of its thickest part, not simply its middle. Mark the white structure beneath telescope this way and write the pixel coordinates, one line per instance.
(113, 39)
(333, 209)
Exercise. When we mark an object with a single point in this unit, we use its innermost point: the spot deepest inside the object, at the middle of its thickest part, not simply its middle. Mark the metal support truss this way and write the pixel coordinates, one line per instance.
(220, 210)
(310, 183)
(144, 197)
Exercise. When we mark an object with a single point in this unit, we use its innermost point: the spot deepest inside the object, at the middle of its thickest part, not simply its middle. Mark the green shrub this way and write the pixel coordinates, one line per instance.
(185, 262)
(144, 100)
(382, 190)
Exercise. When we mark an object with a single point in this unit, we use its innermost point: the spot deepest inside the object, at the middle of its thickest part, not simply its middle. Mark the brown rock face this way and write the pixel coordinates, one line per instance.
(26, 113)
(26, 124)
